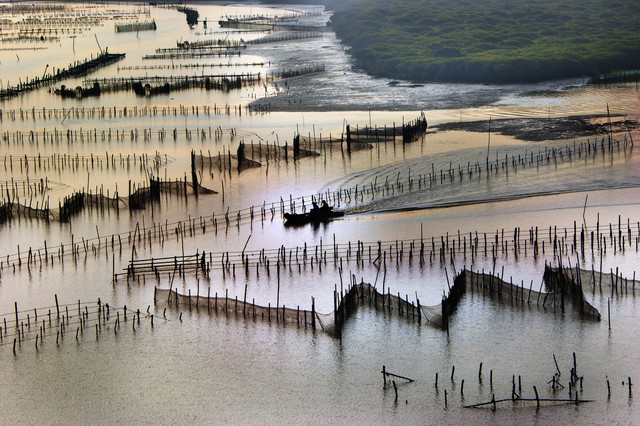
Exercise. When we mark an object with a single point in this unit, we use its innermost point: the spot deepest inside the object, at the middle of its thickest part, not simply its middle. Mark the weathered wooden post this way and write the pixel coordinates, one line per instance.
(384, 376)
(296, 147)
(57, 308)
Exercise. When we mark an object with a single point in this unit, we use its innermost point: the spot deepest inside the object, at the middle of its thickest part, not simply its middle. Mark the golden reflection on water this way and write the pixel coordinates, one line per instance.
(204, 366)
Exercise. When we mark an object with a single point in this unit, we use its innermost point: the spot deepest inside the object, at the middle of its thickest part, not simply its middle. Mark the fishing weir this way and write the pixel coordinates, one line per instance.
(178, 203)
(261, 23)
(248, 155)
(78, 69)
(560, 286)
(139, 196)
(136, 27)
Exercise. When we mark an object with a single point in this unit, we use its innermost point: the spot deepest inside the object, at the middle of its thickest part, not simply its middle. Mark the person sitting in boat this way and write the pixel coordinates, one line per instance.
(324, 207)
(315, 209)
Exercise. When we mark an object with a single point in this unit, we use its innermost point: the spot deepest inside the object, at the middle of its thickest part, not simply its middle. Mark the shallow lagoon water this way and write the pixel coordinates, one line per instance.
(214, 369)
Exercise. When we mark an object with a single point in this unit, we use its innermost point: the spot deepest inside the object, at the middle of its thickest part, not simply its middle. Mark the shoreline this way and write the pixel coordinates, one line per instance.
(530, 129)
(549, 129)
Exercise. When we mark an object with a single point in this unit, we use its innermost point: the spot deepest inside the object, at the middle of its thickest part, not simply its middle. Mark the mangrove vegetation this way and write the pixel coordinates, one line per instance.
(490, 41)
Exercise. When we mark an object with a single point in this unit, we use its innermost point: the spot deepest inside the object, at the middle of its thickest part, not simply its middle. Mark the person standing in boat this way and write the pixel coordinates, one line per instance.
(315, 209)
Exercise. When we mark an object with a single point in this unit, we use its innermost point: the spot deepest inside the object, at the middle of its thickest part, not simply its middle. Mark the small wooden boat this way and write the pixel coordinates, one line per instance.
(322, 215)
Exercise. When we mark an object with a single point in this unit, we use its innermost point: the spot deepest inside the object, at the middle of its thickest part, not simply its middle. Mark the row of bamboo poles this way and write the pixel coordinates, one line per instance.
(77, 69)
(32, 32)
(271, 24)
(207, 81)
(559, 284)
(558, 244)
(278, 38)
(445, 249)
(136, 26)
(70, 136)
(549, 154)
(199, 54)
(20, 328)
(83, 24)
(100, 113)
(23, 38)
(40, 326)
(77, 162)
(174, 66)
(26, 329)
(72, 205)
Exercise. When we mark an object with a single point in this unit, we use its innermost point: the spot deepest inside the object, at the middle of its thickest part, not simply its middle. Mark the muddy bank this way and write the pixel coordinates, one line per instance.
(341, 89)
(546, 129)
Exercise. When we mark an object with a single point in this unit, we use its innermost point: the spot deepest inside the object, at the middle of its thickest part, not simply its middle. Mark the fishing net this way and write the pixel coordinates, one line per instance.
(567, 284)
(561, 288)
(331, 323)
(248, 310)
